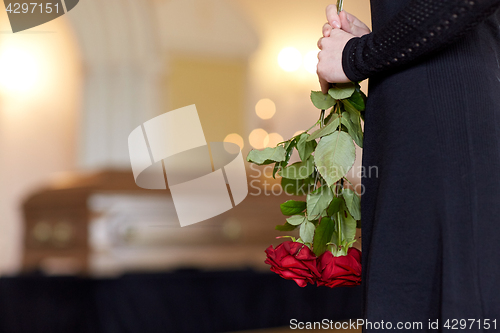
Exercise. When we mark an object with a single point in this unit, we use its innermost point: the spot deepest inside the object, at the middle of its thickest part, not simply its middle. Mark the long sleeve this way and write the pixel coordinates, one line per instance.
(420, 28)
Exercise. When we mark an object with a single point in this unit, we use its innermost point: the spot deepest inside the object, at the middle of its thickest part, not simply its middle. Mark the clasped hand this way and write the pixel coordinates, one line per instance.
(339, 29)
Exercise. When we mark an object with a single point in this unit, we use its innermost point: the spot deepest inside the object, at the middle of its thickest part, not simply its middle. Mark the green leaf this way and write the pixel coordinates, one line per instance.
(292, 207)
(329, 117)
(345, 248)
(342, 90)
(276, 169)
(335, 234)
(313, 179)
(336, 252)
(299, 170)
(353, 203)
(289, 145)
(354, 129)
(296, 220)
(318, 201)
(327, 130)
(347, 232)
(267, 156)
(322, 235)
(335, 156)
(354, 114)
(335, 206)
(289, 149)
(297, 187)
(286, 227)
(358, 100)
(307, 231)
(348, 226)
(304, 147)
(322, 102)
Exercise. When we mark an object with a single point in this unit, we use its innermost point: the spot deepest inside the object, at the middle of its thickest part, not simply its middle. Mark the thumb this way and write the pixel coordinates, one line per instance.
(325, 85)
(332, 16)
(353, 25)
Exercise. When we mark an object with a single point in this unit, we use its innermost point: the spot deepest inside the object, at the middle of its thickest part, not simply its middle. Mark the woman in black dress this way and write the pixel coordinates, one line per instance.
(431, 217)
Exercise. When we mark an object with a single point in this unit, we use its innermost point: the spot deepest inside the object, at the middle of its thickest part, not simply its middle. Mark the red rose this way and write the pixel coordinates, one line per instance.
(293, 261)
(340, 271)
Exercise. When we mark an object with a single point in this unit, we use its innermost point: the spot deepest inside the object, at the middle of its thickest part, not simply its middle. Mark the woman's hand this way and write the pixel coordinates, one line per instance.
(345, 21)
(345, 26)
(330, 58)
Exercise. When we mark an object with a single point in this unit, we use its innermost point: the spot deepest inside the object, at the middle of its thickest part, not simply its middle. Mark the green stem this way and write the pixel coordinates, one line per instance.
(339, 111)
(322, 119)
(340, 5)
(316, 124)
(349, 181)
(339, 231)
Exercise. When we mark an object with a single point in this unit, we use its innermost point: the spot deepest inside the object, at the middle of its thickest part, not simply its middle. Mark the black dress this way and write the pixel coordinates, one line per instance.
(431, 214)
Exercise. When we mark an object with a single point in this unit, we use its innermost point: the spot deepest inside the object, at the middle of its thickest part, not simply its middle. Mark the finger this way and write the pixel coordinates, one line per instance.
(327, 29)
(353, 25)
(325, 86)
(320, 43)
(332, 16)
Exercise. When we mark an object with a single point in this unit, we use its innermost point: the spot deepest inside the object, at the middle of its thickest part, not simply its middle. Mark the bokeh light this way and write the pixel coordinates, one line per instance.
(290, 59)
(273, 139)
(311, 61)
(235, 138)
(298, 132)
(258, 138)
(19, 69)
(265, 108)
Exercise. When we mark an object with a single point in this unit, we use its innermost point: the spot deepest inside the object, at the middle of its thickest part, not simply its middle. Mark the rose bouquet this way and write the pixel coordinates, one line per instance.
(328, 218)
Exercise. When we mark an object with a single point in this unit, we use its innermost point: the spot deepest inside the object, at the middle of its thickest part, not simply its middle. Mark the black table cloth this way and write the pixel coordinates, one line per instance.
(182, 301)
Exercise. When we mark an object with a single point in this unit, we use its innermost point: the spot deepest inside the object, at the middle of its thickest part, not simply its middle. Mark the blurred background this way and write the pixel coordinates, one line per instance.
(73, 89)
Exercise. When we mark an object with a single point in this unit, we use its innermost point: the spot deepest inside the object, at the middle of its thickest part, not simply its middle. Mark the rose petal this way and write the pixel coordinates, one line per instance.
(301, 283)
(340, 271)
(293, 261)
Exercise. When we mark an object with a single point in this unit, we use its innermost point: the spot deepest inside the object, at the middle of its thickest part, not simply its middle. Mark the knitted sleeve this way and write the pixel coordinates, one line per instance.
(420, 28)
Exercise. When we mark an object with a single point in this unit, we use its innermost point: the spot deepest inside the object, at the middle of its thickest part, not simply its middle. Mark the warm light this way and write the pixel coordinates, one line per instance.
(265, 108)
(259, 138)
(19, 69)
(311, 61)
(273, 139)
(298, 133)
(235, 138)
(290, 59)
